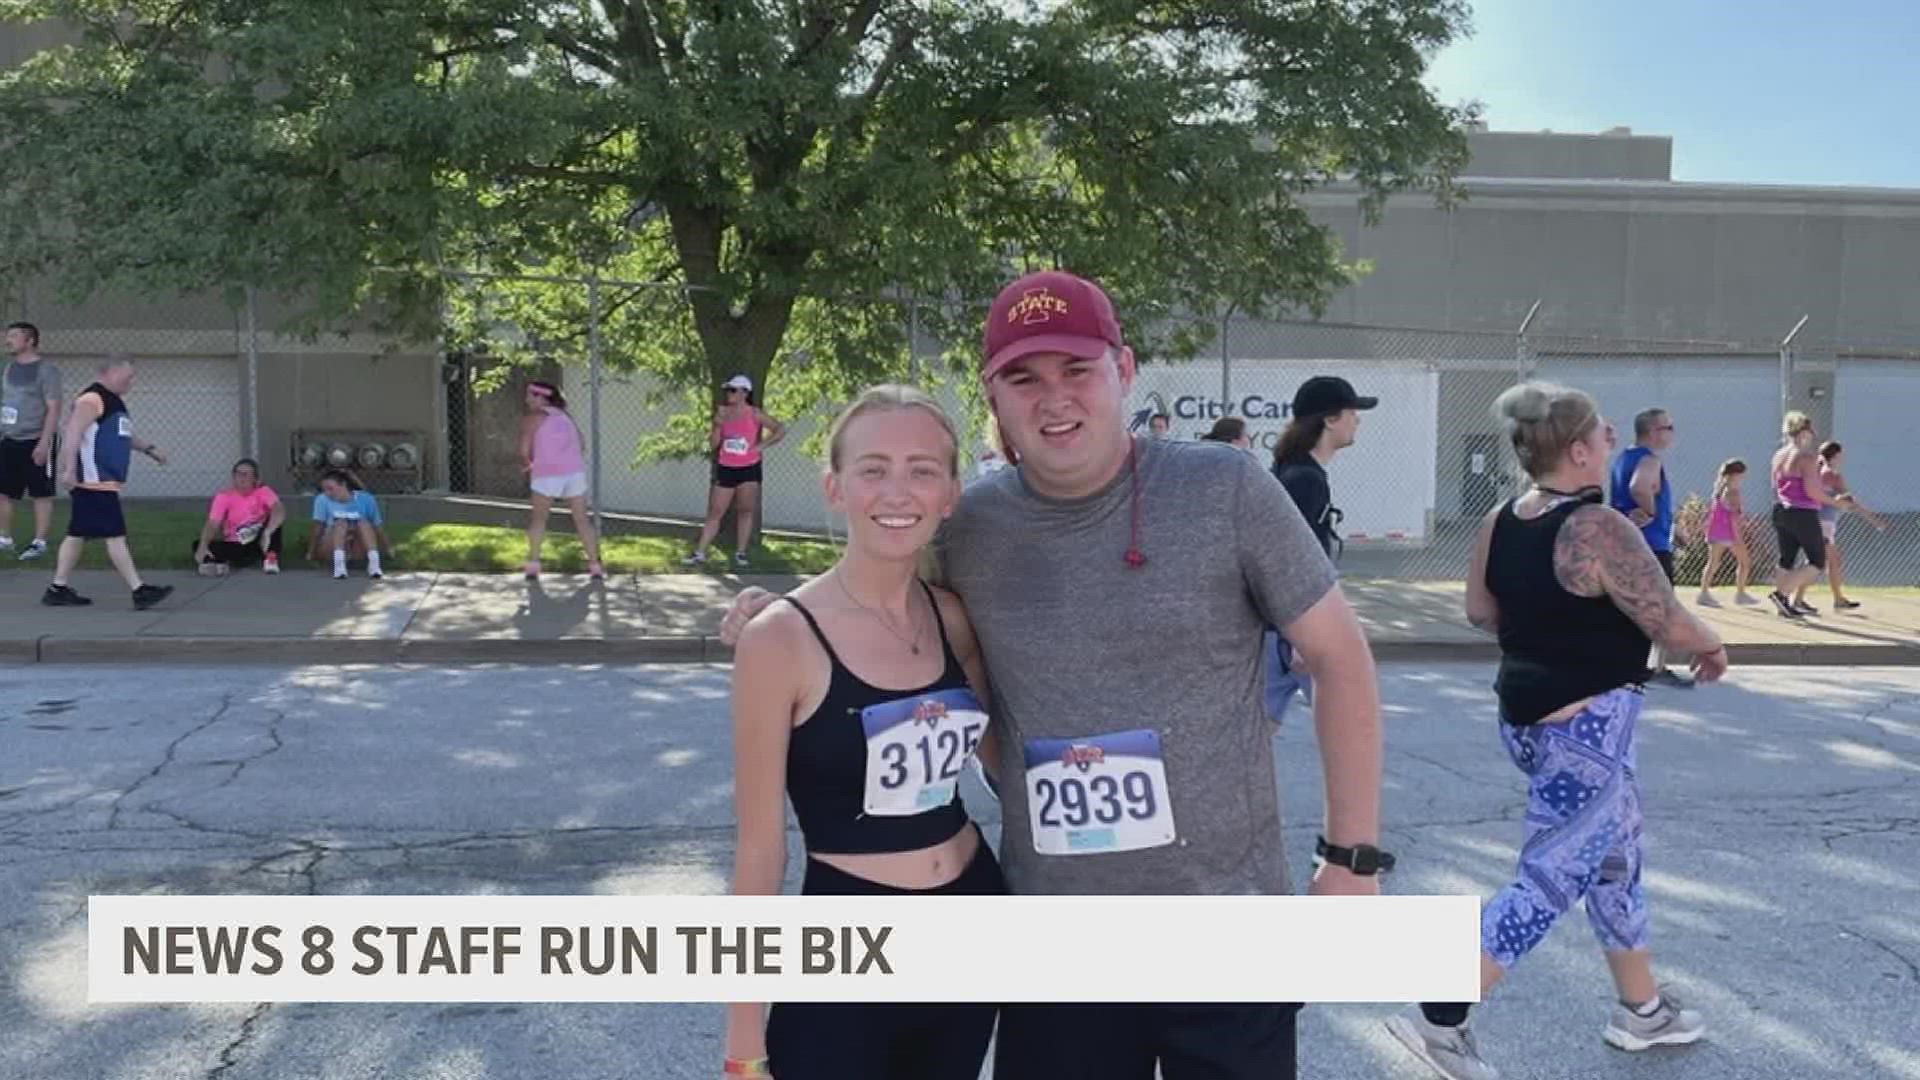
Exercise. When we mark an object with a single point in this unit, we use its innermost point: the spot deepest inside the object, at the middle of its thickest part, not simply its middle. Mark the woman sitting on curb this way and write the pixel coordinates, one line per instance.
(247, 515)
(347, 519)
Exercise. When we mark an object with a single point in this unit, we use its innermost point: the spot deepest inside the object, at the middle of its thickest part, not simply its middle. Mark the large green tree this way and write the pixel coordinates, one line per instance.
(772, 176)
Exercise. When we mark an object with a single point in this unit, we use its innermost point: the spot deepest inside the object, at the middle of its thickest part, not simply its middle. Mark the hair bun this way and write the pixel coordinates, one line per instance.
(1525, 404)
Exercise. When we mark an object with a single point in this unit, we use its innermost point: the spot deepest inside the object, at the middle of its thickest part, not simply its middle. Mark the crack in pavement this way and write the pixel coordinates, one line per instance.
(1913, 968)
(273, 732)
(1441, 765)
(228, 1052)
(226, 703)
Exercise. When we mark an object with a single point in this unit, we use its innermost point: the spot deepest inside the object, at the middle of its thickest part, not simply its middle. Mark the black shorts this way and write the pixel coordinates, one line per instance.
(1798, 530)
(1666, 563)
(730, 476)
(1125, 1041)
(833, 1040)
(19, 476)
(96, 515)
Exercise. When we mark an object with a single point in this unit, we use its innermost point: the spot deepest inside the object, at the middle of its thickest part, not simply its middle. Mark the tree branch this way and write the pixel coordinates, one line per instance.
(444, 55)
(814, 24)
(673, 37)
(633, 31)
(590, 177)
(574, 47)
(897, 50)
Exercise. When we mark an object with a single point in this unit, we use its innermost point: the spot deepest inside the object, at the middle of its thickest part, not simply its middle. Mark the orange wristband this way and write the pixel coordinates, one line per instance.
(748, 1067)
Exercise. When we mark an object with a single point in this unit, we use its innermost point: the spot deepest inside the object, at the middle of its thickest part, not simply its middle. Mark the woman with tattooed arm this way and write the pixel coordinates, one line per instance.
(1575, 596)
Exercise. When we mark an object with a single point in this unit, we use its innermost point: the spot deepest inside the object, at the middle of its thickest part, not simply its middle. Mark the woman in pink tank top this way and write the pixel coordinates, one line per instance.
(739, 434)
(1798, 496)
(1834, 483)
(1724, 536)
(553, 454)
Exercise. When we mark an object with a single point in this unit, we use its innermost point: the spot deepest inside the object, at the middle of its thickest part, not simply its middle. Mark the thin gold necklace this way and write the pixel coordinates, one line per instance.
(918, 629)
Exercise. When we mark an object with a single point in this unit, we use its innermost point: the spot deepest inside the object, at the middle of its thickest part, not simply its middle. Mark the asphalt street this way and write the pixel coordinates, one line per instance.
(1783, 859)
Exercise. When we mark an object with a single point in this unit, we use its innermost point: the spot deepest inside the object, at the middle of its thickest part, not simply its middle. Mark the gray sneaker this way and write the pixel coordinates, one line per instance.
(1451, 1052)
(1672, 1024)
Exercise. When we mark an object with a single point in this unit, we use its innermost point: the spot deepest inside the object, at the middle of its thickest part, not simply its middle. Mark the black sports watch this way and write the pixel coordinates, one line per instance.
(1362, 859)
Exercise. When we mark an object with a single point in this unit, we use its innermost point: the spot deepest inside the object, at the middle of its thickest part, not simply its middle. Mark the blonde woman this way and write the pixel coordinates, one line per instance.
(859, 699)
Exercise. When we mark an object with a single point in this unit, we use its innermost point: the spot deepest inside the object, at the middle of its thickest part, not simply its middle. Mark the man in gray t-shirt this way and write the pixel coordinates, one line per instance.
(29, 415)
(1118, 589)
(1162, 660)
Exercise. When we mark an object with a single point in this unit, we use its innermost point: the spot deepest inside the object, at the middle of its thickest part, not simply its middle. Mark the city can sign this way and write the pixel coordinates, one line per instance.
(1386, 483)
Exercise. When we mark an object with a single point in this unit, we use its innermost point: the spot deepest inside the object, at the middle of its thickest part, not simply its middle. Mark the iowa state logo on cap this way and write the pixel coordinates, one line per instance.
(1036, 306)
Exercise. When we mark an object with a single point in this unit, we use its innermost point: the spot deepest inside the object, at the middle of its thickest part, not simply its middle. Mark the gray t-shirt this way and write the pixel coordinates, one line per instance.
(24, 391)
(1078, 644)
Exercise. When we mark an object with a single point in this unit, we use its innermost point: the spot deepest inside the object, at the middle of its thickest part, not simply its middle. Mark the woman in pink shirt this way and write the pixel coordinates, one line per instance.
(246, 517)
(740, 432)
(553, 453)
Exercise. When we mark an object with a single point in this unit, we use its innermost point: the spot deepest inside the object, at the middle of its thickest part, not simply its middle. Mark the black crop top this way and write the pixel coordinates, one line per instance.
(875, 770)
(1555, 647)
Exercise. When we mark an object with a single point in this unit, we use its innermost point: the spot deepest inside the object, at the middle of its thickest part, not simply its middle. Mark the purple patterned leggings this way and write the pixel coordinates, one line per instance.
(1583, 832)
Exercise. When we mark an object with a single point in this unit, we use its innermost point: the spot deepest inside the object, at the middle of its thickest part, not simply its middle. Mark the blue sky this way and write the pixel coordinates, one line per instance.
(1752, 91)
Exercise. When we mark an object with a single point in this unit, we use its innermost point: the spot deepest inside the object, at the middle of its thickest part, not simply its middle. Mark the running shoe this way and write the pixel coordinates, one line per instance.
(146, 596)
(272, 565)
(39, 547)
(698, 558)
(6, 543)
(740, 559)
(63, 596)
(1705, 599)
(1745, 599)
(595, 570)
(1838, 605)
(339, 573)
(1672, 1024)
(1783, 605)
(213, 569)
(1451, 1052)
(1805, 608)
(532, 570)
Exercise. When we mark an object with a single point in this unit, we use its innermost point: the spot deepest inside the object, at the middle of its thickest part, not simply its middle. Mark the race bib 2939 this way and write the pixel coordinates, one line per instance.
(1098, 794)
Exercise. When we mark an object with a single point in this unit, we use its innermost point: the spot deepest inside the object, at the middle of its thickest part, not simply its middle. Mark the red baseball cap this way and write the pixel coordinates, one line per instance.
(1051, 311)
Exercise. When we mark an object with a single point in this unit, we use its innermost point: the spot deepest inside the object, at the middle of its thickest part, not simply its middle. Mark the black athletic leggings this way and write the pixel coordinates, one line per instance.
(832, 1040)
(1123, 1041)
(237, 554)
(1798, 529)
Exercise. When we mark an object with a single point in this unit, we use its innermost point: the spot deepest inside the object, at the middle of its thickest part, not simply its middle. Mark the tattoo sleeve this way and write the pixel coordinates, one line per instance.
(1600, 553)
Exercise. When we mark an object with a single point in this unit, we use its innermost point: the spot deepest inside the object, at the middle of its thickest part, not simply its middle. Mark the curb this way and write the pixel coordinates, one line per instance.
(686, 649)
(703, 649)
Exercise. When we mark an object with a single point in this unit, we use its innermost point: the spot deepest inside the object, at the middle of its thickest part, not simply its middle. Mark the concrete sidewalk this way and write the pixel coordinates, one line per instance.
(305, 617)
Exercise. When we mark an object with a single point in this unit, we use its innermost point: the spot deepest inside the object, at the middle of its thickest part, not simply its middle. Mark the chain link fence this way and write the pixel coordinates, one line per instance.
(213, 384)
(191, 396)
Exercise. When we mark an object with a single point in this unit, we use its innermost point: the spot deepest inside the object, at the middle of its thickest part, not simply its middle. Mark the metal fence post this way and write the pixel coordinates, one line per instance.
(1226, 359)
(1786, 366)
(1523, 350)
(253, 379)
(593, 392)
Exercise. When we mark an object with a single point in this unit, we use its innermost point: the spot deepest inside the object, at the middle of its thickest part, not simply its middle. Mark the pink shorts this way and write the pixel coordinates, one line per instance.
(1720, 530)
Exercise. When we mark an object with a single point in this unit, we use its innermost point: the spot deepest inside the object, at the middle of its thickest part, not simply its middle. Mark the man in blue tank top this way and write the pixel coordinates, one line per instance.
(96, 457)
(1641, 490)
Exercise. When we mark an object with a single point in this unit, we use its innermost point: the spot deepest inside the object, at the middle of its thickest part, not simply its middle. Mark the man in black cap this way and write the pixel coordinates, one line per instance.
(1325, 417)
